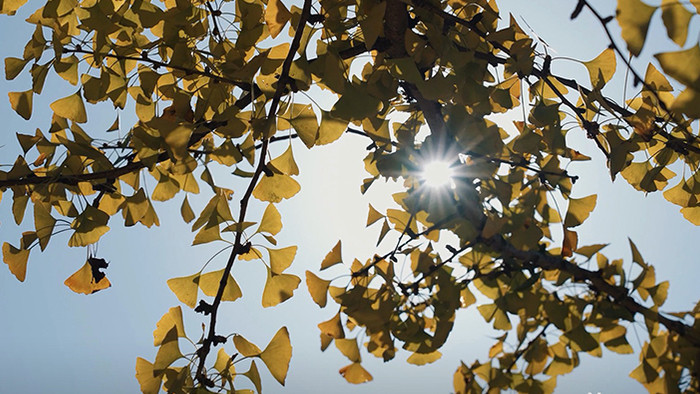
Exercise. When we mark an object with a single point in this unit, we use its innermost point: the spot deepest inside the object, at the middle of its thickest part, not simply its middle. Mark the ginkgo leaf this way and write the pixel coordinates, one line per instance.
(10, 7)
(254, 376)
(423, 358)
(209, 283)
(372, 24)
(579, 210)
(21, 102)
(349, 348)
(332, 327)
(285, 163)
(16, 260)
(275, 188)
(277, 354)
(186, 211)
(43, 223)
(70, 107)
(281, 259)
(276, 16)
(271, 221)
(692, 214)
(634, 17)
(332, 258)
(680, 65)
(173, 318)
(245, 347)
(355, 373)
(185, 288)
(89, 226)
(278, 288)
(84, 280)
(223, 363)
(373, 215)
(306, 125)
(570, 243)
(168, 352)
(676, 19)
(14, 66)
(330, 129)
(148, 380)
(318, 288)
(602, 68)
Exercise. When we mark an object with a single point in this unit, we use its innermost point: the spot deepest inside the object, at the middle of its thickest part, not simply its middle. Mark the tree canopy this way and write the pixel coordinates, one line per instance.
(213, 84)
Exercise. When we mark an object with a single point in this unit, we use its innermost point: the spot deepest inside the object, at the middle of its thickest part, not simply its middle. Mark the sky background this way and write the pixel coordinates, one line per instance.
(53, 340)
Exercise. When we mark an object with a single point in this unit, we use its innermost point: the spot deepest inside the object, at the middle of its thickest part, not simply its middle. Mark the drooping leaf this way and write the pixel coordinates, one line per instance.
(355, 373)
(88, 227)
(14, 66)
(10, 7)
(278, 288)
(579, 210)
(277, 354)
(210, 282)
(21, 102)
(332, 258)
(318, 288)
(680, 65)
(16, 260)
(373, 215)
(371, 24)
(285, 163)
(634, 17)
(281, 259)
(676, 19)
(84, 280)
(185, 288)
(186, 211)
(71, 107)
(254, 376)
(332, 327)
(349, 349)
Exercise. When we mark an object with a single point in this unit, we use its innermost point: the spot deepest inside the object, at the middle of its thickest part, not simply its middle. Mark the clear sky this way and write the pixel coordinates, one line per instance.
(53, 340)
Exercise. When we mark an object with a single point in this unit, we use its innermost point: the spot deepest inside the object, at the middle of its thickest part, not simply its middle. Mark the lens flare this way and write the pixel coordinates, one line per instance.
(437, 174)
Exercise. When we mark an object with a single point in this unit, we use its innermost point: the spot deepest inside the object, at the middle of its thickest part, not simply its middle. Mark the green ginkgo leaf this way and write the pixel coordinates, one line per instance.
(70, 107)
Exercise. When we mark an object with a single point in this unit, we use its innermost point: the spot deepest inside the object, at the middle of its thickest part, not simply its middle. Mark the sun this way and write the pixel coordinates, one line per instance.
(437, 174)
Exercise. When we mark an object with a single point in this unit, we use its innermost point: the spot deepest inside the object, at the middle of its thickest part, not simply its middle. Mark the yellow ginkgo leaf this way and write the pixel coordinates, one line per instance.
(89, 226)
(14, 66)
(423, 358)
(275, 188)
(332, 258)
(271, 221)
(278, 288)
(10, 7)
(186, 211)
(318, 288)
(602, 68)
(277, 354)
(209, 283)
(373, 215)
(224, 363)
(634, 17)
(349, 349)
(85, 281)
(579, 210)
(43, 223)
(254, 376)
(676, 19)
(148, 380)
(372, 24)
(281, 259)
(173, 318)
(681, 65)
(16, 259)
(168, 352)
(332, 327)
(355, 373)
(71, 107)
(21, 102)
(276, 16)
(185, 289)
(285, 163)
(305, 124)
(245, 347)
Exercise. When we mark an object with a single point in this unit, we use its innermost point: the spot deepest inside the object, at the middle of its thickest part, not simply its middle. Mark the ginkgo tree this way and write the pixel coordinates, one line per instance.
(214, 83)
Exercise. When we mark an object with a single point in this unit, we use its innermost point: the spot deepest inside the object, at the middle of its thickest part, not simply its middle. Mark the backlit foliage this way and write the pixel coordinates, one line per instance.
(214, 83)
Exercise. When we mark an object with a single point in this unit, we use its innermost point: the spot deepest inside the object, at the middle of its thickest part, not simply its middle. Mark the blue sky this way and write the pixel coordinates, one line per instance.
(54, 340)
